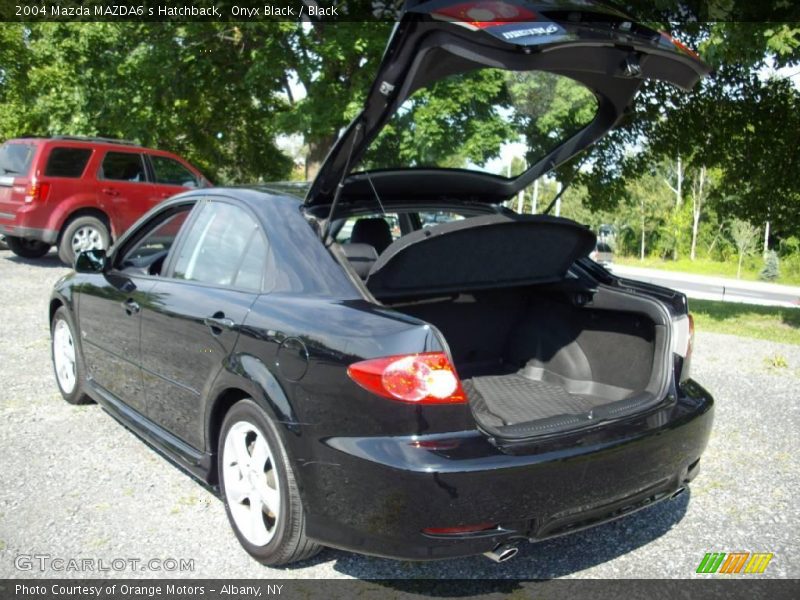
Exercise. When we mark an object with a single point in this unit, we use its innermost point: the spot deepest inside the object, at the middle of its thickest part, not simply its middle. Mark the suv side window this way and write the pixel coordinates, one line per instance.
(170, 172)
(123, 166)
(67, 162)
(225, 246)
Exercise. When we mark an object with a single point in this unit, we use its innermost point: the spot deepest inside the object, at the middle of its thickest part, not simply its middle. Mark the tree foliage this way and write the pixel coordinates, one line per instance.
(222, 93)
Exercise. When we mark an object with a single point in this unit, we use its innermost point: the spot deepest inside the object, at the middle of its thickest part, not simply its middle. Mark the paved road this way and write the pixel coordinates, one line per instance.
(716, 288)
(76, 484)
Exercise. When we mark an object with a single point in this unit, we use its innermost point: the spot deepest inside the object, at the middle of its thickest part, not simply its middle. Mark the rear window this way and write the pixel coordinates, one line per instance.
(492, 120)
(16, 159)
(67, 162)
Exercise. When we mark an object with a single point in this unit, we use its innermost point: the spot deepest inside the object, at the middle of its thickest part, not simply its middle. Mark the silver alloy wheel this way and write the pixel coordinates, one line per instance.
(86, 238)
(64, 356)
(251, 482)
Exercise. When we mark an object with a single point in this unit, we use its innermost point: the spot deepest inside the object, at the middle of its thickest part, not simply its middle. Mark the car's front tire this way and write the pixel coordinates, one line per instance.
(259, 490)
(27, 248)
(67, 361)
(83, 233)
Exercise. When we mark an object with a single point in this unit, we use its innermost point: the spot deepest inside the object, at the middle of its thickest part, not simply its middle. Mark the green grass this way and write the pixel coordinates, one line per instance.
(706, 266)
(772, 323)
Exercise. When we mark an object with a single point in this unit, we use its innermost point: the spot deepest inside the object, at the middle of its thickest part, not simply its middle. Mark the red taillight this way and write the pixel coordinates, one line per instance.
(426, 378)
(36, 191)
(459, 529)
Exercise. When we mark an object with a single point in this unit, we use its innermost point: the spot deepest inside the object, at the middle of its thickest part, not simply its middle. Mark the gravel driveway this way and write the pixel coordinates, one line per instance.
(76, 484)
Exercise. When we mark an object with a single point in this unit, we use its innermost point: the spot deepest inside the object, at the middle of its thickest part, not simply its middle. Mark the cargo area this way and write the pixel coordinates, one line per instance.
(531, 361)
(538, 349)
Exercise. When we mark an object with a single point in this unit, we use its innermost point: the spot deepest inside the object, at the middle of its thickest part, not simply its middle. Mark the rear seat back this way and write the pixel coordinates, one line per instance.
(361, 257)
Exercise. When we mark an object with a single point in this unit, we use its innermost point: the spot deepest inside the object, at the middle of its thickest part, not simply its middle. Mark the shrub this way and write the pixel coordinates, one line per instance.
(771, 269)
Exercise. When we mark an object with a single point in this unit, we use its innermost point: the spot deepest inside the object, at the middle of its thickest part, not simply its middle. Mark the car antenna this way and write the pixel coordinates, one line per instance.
(327, 229)
(375, 191)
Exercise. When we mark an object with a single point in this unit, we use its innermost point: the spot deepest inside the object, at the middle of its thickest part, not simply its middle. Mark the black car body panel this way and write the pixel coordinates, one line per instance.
(169, 355)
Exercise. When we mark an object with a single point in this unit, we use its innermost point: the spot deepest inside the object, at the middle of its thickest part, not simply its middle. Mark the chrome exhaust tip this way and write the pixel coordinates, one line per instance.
(502, 553)
(677, 493)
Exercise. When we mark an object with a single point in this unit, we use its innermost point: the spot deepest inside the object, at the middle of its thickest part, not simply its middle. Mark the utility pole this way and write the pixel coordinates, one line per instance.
(535, 201)
(558, 202)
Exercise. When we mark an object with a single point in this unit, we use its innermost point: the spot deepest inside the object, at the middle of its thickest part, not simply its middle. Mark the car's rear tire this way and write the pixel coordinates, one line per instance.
(259, 490)
(27, 248)
(66, 357)
(83, 233)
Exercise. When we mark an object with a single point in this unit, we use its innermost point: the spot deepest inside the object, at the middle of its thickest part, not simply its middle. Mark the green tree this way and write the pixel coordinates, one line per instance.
(744, 236)
(205, 90)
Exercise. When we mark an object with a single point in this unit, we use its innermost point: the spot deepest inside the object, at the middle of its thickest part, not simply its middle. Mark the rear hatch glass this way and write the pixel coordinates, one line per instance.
(16, 159)
(518, 116)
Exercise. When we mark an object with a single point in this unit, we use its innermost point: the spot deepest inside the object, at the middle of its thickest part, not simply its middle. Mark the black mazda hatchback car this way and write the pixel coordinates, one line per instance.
(398, 364)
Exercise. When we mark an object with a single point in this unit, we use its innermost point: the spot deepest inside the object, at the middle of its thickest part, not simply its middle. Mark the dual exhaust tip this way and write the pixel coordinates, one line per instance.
(502, 553)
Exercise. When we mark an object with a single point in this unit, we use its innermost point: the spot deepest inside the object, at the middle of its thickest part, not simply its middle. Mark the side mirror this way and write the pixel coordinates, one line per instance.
(91, 261)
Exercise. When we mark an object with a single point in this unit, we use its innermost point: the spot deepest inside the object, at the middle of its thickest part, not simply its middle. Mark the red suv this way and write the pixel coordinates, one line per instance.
(80, 193)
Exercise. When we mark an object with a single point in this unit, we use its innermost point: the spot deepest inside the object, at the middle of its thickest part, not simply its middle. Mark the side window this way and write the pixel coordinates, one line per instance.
(224, 247)
(437, 217)
(171, 172)
(123, 166)
(148, 254)
(67, 162)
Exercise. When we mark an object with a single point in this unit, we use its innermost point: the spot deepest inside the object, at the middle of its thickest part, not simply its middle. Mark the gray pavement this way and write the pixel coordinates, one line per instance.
(76, 484)
(716, 288)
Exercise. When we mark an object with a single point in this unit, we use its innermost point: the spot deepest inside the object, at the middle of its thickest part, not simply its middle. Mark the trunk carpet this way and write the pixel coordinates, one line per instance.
(516, 399)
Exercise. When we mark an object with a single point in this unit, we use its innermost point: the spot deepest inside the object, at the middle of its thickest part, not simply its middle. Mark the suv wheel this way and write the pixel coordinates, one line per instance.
(259, 489)
(27, 248)
(83, 233)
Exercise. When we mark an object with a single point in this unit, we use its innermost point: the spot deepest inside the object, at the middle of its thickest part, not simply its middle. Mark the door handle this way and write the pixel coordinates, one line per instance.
(131, 306)
(110, 191)
(217, 322)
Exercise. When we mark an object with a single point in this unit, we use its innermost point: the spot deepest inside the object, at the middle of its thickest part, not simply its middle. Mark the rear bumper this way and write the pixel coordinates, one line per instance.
(30, 233)
(376, 495)
(26, 220)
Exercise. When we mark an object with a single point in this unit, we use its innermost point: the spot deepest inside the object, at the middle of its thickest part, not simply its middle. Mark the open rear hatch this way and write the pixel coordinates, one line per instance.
(586, 41)
(538, 350)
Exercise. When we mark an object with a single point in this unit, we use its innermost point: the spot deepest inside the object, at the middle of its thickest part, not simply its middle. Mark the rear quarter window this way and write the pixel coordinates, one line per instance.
(67, 162)
(16, 159)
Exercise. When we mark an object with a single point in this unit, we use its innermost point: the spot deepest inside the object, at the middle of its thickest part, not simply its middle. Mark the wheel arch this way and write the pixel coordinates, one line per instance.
(245, 376)
(55, 304)
(87, 211)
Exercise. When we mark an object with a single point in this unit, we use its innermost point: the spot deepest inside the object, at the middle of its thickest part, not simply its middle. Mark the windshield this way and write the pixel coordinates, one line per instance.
(15, 159)
(492, 120)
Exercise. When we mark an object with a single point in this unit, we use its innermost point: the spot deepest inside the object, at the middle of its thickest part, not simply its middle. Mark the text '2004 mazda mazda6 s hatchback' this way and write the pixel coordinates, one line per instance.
(397, 364)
